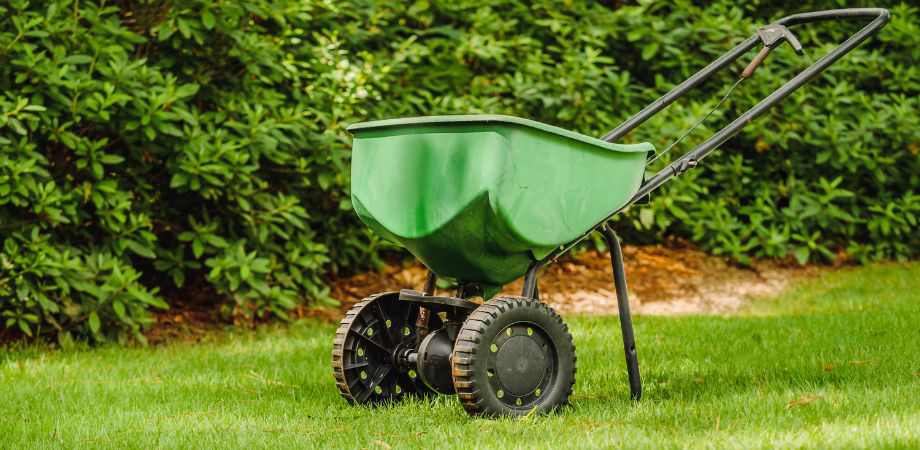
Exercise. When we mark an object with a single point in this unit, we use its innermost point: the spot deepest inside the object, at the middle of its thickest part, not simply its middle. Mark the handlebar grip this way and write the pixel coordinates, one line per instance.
(761, 55)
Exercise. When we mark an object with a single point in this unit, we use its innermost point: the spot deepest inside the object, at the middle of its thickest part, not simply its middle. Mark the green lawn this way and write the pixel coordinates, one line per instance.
(851, 338)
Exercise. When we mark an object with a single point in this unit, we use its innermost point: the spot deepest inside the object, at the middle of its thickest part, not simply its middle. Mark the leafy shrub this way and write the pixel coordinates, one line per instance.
(155, 147)
(153, 150)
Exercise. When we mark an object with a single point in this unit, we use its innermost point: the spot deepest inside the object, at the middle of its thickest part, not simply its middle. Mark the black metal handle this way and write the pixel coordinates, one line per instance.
(880, 17)
(689, 160)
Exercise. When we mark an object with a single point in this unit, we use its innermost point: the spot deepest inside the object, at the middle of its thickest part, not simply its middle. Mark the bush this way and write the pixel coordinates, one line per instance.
(156, 150)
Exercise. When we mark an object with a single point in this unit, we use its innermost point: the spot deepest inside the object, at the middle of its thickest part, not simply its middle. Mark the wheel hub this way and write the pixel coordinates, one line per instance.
(434, 362)
(521, 365)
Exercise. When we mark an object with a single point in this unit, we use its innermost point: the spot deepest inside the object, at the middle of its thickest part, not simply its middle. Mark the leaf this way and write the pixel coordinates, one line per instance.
(187, 90)
(197, 248)
(168, 128)
(647, 217)
(25, 327)
(207, 19)
(216, 241)
(112, 159)
(65, 340)
(140, 249)
(183, 27)
(166, 30)
(178, 277)
(178, 179)
(17, 126)
(119, 309)
(93, 321)
(801, 254)
(649, 51)
(77, 59)
(72, 310)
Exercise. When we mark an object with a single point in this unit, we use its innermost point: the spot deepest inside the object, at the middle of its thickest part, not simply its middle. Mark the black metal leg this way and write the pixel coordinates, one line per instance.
(430, 283)
(629, 340)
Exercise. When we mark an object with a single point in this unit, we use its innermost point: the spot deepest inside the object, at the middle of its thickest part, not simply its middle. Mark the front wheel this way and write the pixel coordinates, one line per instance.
(366, 349)
(513, 355)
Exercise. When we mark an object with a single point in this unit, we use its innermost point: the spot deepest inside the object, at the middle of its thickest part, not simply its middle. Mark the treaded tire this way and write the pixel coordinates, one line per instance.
(485, 361)
(362, 351)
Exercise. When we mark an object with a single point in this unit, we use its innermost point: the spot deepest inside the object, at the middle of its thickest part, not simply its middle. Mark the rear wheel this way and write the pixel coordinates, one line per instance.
(513, 355)
(368, 345)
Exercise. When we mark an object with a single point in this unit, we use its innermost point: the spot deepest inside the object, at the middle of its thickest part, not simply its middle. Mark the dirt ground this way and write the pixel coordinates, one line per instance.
(663, 279)
(672, 279)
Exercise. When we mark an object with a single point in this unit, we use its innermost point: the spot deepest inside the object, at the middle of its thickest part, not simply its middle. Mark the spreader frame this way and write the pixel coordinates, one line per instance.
(691, 160)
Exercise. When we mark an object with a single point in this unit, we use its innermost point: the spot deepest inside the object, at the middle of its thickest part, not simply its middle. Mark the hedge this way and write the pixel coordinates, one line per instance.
(154, 152)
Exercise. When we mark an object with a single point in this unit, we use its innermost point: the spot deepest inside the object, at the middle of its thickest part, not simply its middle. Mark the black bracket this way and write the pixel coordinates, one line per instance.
(772, 36)
(684, 166)
(775, 34)
(453, 306)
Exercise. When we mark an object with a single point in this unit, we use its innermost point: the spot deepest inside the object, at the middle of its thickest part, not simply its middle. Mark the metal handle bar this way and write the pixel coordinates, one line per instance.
(690, 160)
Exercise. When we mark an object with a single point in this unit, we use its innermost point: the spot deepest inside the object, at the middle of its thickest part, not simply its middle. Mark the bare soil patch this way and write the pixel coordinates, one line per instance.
(674, 278)
(662, 280)
(197, 323)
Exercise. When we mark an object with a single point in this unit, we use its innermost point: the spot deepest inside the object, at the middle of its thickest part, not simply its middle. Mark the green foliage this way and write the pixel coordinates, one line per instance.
(155, 148)
(152, 150)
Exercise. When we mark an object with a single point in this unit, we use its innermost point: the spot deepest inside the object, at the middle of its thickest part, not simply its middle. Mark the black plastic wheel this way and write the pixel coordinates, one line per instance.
(366, 348)
(513, 355)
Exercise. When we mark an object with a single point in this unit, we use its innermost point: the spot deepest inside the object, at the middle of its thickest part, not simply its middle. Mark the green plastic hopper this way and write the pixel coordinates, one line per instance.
(477, 198)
